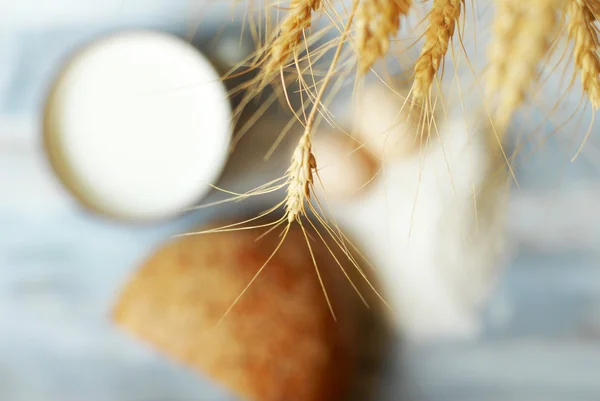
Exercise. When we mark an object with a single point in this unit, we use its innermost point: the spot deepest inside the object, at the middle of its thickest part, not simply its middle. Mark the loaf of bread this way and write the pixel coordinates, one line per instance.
(279, 342)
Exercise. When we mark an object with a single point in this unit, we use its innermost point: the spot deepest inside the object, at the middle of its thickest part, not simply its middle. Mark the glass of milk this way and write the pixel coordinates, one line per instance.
(137, 126)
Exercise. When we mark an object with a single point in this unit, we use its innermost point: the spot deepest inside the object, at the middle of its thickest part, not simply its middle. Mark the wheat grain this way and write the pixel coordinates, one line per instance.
(583, 33)
(507, 18)
(443, 17)
(290, 34)
(532, 42)
(377, 21)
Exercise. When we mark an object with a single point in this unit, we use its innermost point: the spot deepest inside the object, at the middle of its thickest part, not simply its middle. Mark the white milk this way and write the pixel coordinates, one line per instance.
(138, 125)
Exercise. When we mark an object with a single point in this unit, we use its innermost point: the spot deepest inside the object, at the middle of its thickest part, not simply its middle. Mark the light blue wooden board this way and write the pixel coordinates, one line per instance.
(60, 268)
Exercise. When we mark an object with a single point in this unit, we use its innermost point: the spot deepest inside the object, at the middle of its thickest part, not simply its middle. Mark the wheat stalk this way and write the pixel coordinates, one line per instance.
(290, 33)
(532, 41)
(443, 17)
(303, 163)
(376, 22)
(583, 33)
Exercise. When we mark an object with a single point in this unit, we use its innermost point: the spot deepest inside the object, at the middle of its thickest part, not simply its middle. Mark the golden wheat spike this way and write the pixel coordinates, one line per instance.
(585, 38)
(532, 41)
(594, 7)
(300, 175)
(443, 17)
(303, 164)
(376, 22)
(508, 15)
(290, 34)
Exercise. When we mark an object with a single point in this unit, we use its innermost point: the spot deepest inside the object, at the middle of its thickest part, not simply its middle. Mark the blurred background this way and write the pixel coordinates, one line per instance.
(60, 267)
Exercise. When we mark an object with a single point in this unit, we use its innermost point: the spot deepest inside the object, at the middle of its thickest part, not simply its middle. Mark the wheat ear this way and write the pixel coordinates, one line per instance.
(532, 42)
(594, 7)
(376, 22)
(583, 33)
(290, 33)
(507, 18)
(303, 163)
(443, 17)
